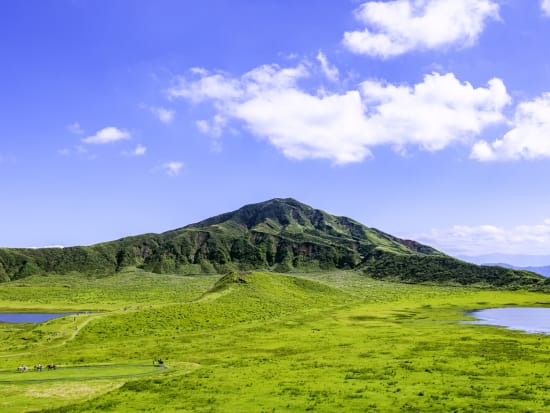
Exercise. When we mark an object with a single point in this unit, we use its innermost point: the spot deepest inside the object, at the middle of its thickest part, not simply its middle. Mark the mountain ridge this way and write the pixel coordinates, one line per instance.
(280, 235)
(542, 270)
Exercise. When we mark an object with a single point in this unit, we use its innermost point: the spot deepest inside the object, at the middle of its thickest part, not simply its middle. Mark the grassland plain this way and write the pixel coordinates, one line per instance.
(261, 342)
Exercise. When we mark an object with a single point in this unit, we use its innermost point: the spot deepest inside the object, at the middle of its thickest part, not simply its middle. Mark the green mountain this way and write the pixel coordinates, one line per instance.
(281, 235)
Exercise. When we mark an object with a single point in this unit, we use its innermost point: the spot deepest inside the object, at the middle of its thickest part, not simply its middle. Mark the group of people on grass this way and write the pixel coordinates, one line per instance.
(22, 368)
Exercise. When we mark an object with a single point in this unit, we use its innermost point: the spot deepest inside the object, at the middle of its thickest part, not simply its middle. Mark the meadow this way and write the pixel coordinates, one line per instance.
(263, 342)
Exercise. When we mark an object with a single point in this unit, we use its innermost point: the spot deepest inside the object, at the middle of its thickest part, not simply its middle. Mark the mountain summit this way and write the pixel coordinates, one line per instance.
(281, 235)
(284, 235)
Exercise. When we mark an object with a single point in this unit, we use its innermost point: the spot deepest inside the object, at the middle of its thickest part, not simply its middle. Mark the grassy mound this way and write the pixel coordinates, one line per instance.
(236, 298)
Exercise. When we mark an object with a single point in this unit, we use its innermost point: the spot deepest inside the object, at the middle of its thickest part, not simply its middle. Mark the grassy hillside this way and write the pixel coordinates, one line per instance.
(280, 235)
(263, 342)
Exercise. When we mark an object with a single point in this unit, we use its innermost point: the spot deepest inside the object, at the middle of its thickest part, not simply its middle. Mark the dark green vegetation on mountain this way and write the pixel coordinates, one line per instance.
(280, 235)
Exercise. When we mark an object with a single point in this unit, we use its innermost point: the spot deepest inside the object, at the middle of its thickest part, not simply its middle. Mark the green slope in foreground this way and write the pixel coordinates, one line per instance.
(280, 235)
(263, 342)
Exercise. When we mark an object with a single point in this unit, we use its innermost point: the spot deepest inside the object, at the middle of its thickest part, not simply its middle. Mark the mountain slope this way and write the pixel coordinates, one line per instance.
(282, 235)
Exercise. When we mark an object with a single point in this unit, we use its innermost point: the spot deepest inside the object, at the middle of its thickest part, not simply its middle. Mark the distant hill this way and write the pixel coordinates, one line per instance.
(516, 260)
(281, 235)
(545, 271)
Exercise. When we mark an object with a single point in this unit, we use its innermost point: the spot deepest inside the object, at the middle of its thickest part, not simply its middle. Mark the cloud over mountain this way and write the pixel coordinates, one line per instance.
(343, 126)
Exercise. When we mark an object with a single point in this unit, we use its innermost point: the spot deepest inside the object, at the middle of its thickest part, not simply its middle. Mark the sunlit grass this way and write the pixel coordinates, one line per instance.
(316, 342)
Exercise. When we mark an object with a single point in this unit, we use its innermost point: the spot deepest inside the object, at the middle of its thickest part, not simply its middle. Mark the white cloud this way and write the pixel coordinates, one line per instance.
(172, 168)
(139, 150)
(529, 138)
(198, 71)
(163, 114)
(220, 87)
(545, 5)
(208, 87)
(75, 128)
(400, 26)
(487, 239)
(343, 126)
(212, 127)
(434, 113)
(107, 135)
(330, 71)
(306, 126)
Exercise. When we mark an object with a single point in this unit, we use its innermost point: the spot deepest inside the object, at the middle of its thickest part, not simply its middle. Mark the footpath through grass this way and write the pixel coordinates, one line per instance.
(89, 372)
(316, 342)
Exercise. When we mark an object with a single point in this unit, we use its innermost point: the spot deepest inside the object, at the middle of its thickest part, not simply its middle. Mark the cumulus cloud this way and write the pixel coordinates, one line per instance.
(343, 126)
(107, 135)
(434, 113)
(400, 26)
(163, 114)
(330, 71)
(545, 5)
(528, 139)
(487, 239)
(172, 168)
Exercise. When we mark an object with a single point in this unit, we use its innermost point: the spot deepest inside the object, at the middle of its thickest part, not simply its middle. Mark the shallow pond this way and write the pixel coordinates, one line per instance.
(29, 317)
(530, 320)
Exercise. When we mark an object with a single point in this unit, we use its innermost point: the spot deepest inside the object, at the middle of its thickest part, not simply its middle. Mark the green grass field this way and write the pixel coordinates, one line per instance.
(263, 342)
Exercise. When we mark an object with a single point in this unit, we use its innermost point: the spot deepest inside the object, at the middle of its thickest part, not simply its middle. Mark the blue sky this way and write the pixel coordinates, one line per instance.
(428, 119)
